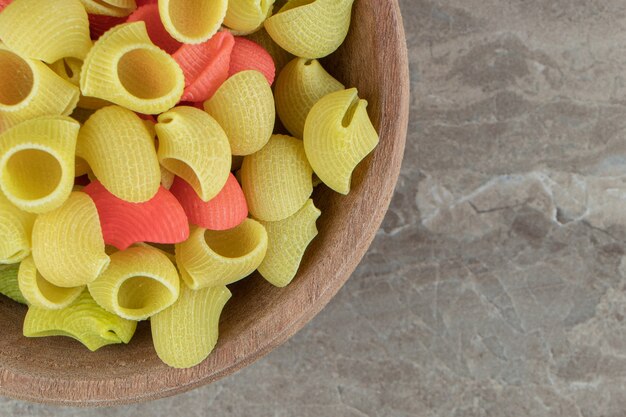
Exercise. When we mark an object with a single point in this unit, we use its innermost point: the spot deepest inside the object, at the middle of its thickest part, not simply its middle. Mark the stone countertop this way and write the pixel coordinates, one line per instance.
(496, 284)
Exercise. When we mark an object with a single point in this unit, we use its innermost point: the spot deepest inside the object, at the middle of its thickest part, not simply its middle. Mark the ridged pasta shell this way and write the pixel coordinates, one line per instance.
(186, 333)
(37, 162)
(287, 242)
(29, 89)
(120, 150)
(193, 146)
(311, 28)
(64, 34)
(16, 227)
(247, 15)
(212, 258)
(149, 14)
(40, 293)
(249, 55)
(192, 21)
(244, 107)
(83, 320)
(298, 87)
(139, 282)
(68, 69)
(125, 68)
(116, 8)
(8, 281)
(277, 180)
(338, 134)
(279, 55)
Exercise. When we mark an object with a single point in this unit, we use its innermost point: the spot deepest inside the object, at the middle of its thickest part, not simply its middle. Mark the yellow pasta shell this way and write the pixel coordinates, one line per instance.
(247, 15)
(139, 282)
(193, 146)
(8, 283)
(244, 107)
(212, 258)
(277, 180)
(15, 230)
(192, 21)
(47, 30)
(287, 241)
(68, 248)
(68, 69)
(167, 178)
(186, 333)
(120, 150)
(279, 55)
(125, 68)
(311, 28)
(83, 320)
(39, 292)
(117, 8)
(338, 134)
(37, 162)
(298, 87)
(28, 89)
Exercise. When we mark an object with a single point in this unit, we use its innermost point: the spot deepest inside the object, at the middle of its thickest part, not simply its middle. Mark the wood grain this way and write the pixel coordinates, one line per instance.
(259, 317)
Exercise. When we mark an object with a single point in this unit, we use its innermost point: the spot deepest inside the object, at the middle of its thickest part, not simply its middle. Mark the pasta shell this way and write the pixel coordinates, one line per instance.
(226, 210)
(193, 146)
(29, 89)
(15, 231)
(160, 219)
(68, 69)
(287, 242)
(205, 66)
(140, 282)
(247, 15)
(338, 134)
(68, 248)
(244, 107)
(298, 87)
(37, 162)
(83, 320)
(125, 68)
(311, 28)
(167, 178)
(186, 333)
(116, 8)
(192, 21)
(279, 55)
(39, 292)
(8, 283)
(64, 34)
(4, 4)
(248, 55)
(212, 258)
(277, 180)
(149, 14)
(120, 150)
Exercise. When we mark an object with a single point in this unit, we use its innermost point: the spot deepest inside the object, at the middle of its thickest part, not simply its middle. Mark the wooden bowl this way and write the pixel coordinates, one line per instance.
(259, 317)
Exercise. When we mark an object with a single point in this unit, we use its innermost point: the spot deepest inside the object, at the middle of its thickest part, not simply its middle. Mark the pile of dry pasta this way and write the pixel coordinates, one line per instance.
(139, 169)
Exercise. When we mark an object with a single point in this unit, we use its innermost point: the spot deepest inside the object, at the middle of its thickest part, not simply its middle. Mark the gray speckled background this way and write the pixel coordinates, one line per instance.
(496, 285)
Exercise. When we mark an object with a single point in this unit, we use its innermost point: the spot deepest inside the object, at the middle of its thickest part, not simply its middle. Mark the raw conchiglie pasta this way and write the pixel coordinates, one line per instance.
(287, 241)
(279, 55)
(186, 333)
(47, 30)
(140, 282)
(8, 283)
(277, 180)
(83, 320)
(15, 230)
(311, 28)
(247, 15)
(298, 87)
(338, 134)
(81, 167)
(192, 21)
(248, 55)
(193, 146)
(37, 162)
(68, 248)
(244, 107)
(68, 69)
(116, 8)
(4, 4)
(120, 151)
(149, 14)
(167, 178)
(28, 89)
(211, 258)
(125, 68)
(39, 292)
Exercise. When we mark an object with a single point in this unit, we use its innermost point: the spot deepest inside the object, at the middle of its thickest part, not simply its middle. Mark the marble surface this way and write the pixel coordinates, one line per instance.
(496, 285)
